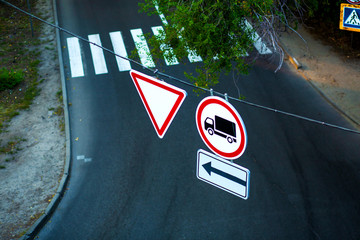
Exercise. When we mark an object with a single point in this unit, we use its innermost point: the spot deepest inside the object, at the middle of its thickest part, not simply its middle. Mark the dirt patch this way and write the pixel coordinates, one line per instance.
(33, 167)
(345, 43)
(334, 72)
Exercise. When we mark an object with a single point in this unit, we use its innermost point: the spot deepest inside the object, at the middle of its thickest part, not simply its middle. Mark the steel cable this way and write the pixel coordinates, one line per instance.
(157, 73)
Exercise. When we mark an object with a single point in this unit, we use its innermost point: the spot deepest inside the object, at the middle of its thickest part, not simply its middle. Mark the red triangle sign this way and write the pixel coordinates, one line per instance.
(161, 100)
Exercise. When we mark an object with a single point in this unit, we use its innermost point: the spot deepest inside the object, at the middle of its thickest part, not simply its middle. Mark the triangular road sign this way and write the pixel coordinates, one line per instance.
(161, 100)
(353, 19)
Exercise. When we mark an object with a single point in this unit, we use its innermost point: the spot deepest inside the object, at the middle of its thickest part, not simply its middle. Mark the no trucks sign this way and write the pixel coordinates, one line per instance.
(354, 1)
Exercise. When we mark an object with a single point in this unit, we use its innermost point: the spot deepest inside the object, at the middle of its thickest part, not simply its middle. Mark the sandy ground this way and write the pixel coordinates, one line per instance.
(29, 181)
(335, 75)
(32, 174)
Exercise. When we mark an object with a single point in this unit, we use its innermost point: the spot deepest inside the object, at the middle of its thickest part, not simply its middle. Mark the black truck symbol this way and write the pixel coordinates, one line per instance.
(221, 127)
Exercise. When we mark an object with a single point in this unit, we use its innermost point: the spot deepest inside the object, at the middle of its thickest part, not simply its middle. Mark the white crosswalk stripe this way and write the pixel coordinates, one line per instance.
(142, 47)
(97, 54)
(166, 49)
(192, 55)
(76, 65)
(119, 48)
(162, 17)
(259, 44)
(117, 41)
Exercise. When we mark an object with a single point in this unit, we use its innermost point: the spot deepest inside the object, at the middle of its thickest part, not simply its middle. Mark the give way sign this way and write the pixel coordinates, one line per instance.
(161, 100)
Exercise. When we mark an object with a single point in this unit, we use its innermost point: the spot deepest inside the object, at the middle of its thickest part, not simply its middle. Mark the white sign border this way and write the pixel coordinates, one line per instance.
(165, 86)
(242, 127)
(201, 151)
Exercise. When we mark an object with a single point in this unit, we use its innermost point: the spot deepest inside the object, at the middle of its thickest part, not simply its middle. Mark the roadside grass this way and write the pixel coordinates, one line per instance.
(60, 110)
(11, 146)
(19, 60)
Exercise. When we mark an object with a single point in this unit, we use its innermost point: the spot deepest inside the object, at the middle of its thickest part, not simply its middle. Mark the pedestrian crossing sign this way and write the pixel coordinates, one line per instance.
(350, 17)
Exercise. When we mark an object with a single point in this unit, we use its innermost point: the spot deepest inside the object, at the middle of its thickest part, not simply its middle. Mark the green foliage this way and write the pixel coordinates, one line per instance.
(11, 147)
(327, 11)
(17, 51)
(10, 78)
(216, 30)
(213, 29)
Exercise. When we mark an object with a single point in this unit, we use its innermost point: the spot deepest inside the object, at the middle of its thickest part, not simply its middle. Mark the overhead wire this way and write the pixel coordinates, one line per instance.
(74, 35)
(158, 73)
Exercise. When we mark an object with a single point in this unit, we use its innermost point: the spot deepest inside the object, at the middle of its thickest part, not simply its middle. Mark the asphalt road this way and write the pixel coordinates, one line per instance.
(126, 183)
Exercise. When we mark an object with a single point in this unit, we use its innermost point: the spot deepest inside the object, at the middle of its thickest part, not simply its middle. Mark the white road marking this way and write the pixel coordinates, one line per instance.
(119, 48)
(162, 17)
(192, 55)
(97, 55)
(142, 47)
(76, 66)
(83, 158)
(259, 44)
(166, 49)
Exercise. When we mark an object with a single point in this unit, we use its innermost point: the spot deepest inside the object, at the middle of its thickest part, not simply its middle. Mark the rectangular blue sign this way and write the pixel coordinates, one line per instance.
(350, 17)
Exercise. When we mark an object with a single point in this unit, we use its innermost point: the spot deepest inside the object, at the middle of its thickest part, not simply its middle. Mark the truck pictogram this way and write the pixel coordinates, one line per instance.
(221, 127)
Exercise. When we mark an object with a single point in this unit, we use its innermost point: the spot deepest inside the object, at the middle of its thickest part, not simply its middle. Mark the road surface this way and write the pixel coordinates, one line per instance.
(127, 183)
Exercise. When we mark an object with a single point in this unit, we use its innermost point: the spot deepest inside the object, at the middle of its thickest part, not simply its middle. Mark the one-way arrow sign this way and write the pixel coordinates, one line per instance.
(210, 169)
(223, 174)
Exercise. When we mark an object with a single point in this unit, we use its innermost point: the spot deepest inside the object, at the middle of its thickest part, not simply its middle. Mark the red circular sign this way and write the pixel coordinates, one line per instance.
(354, 1)
(221, 127)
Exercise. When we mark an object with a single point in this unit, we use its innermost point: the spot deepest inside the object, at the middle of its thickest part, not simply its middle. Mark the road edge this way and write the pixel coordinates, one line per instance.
(37, 226)
(297, 66)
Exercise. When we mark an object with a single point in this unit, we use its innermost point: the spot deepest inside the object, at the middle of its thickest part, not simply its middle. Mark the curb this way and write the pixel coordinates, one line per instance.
(40, 223)
(297, 66)
(294, 61)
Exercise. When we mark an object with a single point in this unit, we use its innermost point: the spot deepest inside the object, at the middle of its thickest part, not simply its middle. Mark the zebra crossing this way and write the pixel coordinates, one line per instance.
(75, 47)
(142, 47)
(97, 55)
(76, 66)
(119, 48)
(169, 61)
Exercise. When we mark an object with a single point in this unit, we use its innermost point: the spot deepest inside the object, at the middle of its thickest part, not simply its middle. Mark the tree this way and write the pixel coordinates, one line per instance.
(216, 31)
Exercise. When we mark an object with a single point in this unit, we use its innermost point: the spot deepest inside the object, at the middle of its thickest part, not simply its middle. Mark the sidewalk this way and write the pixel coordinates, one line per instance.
(335, 76)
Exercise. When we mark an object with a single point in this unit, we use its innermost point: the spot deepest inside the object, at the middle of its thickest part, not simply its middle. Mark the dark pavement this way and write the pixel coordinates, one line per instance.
(304, 176)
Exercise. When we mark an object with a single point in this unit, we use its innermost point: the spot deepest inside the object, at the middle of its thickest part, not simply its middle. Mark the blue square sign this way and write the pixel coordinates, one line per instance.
(350, 17)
